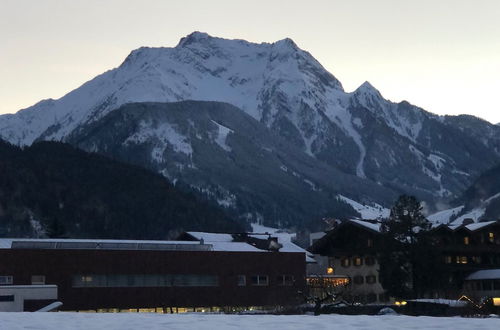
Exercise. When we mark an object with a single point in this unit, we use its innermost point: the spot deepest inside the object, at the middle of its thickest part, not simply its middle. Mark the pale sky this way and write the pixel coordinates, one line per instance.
(442, 55)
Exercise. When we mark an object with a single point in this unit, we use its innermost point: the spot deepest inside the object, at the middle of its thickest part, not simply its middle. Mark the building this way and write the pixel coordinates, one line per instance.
(19, 298)
(483, 283)
(167, 276)
(351, 249)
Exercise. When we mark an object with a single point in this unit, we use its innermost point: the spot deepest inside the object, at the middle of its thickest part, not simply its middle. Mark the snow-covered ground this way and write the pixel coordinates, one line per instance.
(133, 321)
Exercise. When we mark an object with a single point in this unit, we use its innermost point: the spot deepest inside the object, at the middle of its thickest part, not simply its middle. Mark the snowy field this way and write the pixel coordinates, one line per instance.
(133, 321)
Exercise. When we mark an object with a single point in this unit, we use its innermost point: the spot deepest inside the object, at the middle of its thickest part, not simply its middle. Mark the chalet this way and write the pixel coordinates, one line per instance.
(351, 247)
(350, 250)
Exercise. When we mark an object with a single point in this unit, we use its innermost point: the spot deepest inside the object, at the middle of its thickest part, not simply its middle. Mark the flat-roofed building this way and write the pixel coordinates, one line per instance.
(154, 275)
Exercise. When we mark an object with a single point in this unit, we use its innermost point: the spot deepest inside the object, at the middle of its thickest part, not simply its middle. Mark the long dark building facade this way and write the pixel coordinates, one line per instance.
(108, 274)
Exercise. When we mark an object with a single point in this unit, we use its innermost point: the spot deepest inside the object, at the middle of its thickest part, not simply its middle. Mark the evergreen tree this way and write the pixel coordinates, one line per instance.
(404, 257)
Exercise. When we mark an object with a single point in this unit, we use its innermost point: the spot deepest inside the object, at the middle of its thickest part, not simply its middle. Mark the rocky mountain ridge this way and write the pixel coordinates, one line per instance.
(398, 146)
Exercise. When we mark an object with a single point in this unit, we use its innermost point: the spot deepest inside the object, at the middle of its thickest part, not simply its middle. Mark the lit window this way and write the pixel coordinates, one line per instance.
(86, 278)
(329, 270)
(491, 237)
(260, 280)
(466, 240)
(357, 261)
(345, 262)
(37, 279)
(242, 280)
(463, 260)
(6, 280)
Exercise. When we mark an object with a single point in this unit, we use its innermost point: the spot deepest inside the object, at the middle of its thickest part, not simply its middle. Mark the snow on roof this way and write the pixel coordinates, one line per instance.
(474, 214)
(224, 242)
(234, 247)
(211, 237)
(445, 215)
(449, 302)
(275, 232)
(479, 225)
(369, 225)
(6, 243)
(105, 244)
(486, 274)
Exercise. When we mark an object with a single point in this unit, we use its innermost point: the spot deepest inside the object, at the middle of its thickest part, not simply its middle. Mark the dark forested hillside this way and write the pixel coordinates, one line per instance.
(52, 189)
(484, 193)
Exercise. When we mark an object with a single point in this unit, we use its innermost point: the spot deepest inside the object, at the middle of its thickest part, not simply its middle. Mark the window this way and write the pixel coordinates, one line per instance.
(476, 259)
(461, 259)
(144, 280)
(345, 262)
(242, 280)
(9, 297)
(487, 285)
(260, 280)
(358, 279)
(37, 279)
(357, 261)
(5, 280)
(371, 279)
(491, 237)
(369, 261)
(369, 242)
(285, 280)
(447, 259)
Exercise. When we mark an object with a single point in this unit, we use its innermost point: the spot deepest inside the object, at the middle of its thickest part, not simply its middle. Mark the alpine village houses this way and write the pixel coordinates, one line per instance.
(469, 256)
(225, 272)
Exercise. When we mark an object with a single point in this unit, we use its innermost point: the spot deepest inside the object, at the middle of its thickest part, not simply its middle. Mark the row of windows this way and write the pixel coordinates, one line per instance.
(357, 261)
(369, 279)
(170, 280)
(5, 280)
(486, 238)
(140, 280)
(484, 285)
(490, 260)
(35, 279)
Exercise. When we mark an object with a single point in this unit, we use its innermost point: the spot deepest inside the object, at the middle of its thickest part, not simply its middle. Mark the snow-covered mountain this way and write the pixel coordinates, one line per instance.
(358, 134)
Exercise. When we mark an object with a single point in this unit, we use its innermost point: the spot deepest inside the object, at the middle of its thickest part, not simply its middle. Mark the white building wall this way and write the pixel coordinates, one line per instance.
(25, 292)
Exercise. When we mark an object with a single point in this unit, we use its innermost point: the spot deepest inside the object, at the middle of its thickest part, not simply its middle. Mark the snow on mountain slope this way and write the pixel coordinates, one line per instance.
(286, 89)
(367, 212)
(199, 68)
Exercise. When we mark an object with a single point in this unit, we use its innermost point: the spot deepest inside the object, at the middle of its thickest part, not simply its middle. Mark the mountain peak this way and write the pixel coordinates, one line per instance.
(193, 37)
(287, 42)
(367, 87)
